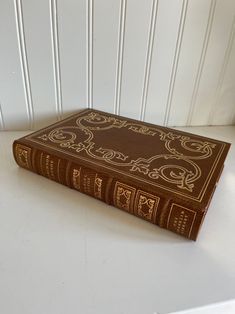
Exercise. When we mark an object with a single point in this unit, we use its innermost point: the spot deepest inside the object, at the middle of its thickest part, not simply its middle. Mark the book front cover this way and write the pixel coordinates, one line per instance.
(176, 162)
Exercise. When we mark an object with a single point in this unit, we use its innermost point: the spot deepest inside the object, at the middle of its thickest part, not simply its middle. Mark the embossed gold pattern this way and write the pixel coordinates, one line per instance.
(162, 175)
(182, 176)
(123, 196)
(146, 205)
(155, 168)
(142, 203)
(98, 186)
(181, 221)
(23, 154)
(76, 178)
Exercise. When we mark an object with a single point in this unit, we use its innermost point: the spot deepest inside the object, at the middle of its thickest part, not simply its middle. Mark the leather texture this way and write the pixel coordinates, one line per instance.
(162, 175)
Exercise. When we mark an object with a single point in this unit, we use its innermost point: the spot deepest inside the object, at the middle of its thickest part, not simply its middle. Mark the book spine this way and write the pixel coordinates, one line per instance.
(63, 171)
(182, 219)
(129, 197)
(162, 211)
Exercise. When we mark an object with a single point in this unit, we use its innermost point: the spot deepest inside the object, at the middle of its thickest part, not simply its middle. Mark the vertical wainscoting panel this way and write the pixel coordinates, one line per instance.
(197, 27)
(15, 112)
(224, 110)
(135, 35)
(205, 98)
(163, 61)
(89, 52)
(106, 15)
(38, 21)
(168, 28)
(72, 54)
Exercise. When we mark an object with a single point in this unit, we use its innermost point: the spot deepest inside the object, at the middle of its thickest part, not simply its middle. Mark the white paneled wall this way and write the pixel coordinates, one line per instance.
(169, 62)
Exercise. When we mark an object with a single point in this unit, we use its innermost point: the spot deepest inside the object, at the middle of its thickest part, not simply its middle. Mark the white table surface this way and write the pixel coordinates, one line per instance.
(64, 252)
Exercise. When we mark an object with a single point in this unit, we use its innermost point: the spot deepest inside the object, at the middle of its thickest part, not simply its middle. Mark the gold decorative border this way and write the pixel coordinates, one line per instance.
(98, 186)
(198, 198)
(154, 201)
(128, 192)
(23, 156)
(76, 178)
(185, 208)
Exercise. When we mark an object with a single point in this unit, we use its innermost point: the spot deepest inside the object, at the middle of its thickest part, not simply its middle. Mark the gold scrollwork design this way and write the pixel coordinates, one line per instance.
(197, 146)
(182, 175)
(98, 186)
(62, 136)
(179, 175)
(97, 122)
(109, 154)
(142, 130)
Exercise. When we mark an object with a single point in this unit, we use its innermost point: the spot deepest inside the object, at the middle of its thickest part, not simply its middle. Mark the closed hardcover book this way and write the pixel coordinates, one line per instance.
(162, 175)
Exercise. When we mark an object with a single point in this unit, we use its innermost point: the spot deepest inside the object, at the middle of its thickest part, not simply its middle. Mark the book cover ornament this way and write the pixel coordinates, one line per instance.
(159, 174)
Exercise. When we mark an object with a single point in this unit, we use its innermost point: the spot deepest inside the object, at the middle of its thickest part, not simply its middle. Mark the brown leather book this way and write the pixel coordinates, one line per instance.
(162, 175)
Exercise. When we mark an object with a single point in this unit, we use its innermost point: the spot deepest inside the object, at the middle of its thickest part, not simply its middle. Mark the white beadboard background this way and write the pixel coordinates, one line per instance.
(169, 62)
